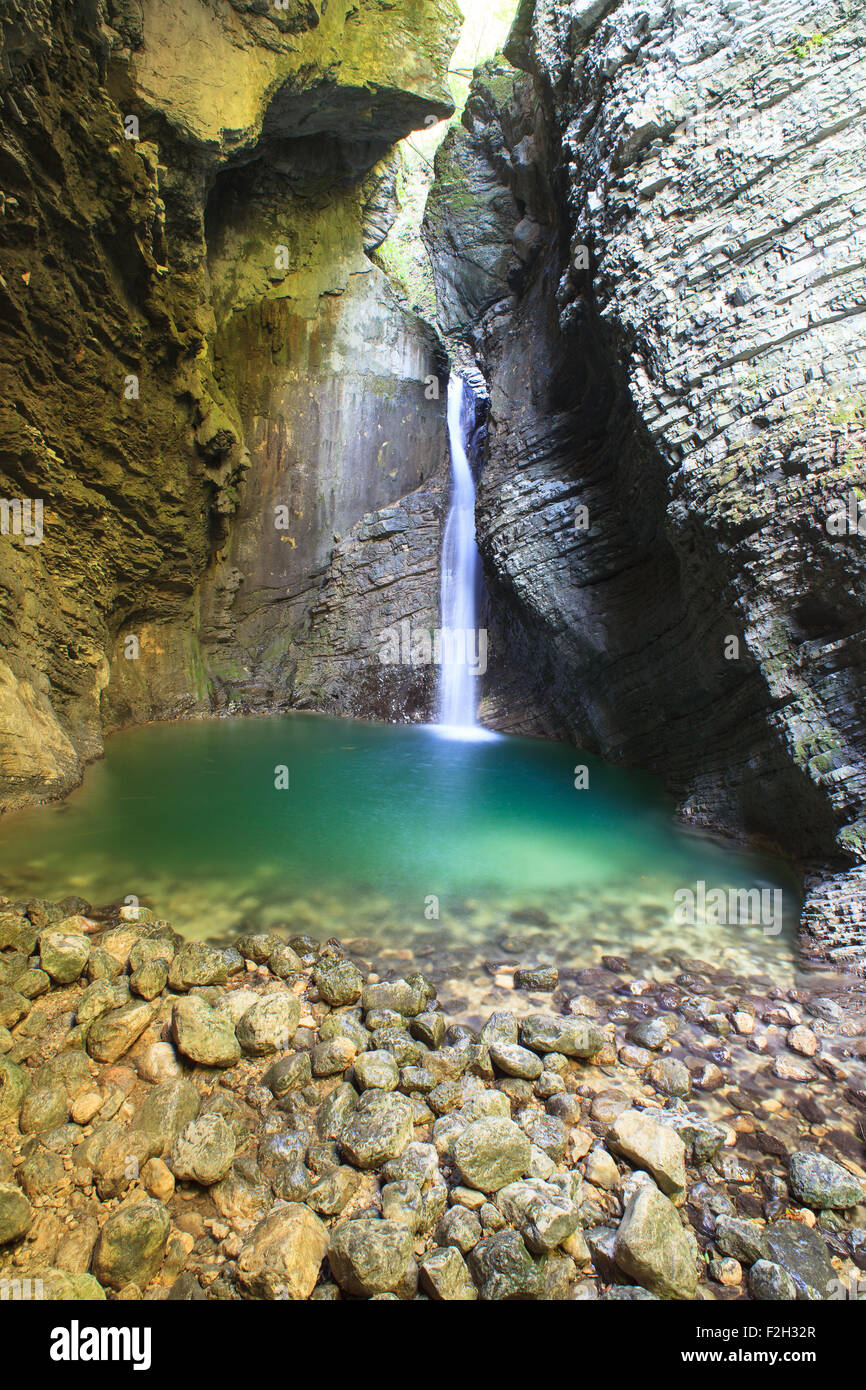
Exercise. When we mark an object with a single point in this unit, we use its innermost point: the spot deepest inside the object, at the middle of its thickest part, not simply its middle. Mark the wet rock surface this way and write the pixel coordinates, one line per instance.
(462, 1177)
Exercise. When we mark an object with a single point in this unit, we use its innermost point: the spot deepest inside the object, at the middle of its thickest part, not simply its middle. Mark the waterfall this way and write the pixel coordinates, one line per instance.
(460, 572)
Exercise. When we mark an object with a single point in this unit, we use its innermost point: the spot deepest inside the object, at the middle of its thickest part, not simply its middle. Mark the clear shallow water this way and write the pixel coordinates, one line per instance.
(377, 821)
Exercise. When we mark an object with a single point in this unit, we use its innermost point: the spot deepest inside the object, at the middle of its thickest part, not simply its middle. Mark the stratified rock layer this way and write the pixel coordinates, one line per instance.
(670, 327)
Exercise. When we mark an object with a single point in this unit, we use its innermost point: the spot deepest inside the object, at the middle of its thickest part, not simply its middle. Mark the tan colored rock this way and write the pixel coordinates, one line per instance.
(653, 1147)
(801, 1039)
(282, 1256)
(114, 1033)
(86, 1106)
(158, 1179)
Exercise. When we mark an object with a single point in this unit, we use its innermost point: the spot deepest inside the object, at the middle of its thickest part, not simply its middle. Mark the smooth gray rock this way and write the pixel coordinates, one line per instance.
(818, 1182)
(652, 1247)
(203, 1151)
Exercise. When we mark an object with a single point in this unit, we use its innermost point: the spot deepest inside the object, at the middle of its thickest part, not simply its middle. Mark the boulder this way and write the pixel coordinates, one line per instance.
(652, 1247)
(166, 1109)
(445, 1276)
(503, 1268)
(63, 954)
(649, 1145)
(16, 1213)
(197, 963)
(282, 1256)
(113, 1033)
(820, 1183)
(339, 982)
(270, 1024)
(370, 1257)
(491, 1153)
(378, 1129)
(203, 1151)
(131, 1244)
(204, 1034)
(574, 1037)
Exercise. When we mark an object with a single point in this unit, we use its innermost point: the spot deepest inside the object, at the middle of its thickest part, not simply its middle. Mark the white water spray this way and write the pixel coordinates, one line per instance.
(460, 571)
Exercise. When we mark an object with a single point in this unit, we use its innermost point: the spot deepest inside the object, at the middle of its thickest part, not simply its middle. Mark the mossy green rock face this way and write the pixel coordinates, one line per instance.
(503, 1268)
(289, 1074)
(822, 1184)
(376, 1071)
(204, 1034)
(57, 1286)
(338, 982)
(652, 1247)
(369, 1257)
(241, 84)
(131, 1245)
(114, 1033)
(33, 983)
(13, 1007)
(166, 1109)
(16, 1213)
(150, 979)
(445, 1277)
(335, 1110)
(258, 946)
(63, 955)
(71, 1071)
(14, 1082)
(42, 1109)
(492, 1153)
(399, 995)
(270, 1024)
(283, 961)
(42, 1173)
(102, 965)
(379, 1128)
(197, 963)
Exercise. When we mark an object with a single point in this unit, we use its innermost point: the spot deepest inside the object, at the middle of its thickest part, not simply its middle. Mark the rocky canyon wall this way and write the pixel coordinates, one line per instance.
(651, 235)
(195, 337)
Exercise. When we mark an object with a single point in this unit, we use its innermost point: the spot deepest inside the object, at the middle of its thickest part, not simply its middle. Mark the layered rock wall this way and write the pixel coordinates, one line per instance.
(671, 336)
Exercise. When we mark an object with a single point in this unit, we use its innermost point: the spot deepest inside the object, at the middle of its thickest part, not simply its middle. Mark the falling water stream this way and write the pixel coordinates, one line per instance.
(460, 567)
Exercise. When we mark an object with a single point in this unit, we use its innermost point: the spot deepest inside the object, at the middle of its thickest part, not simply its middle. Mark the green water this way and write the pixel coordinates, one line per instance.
(380, 828)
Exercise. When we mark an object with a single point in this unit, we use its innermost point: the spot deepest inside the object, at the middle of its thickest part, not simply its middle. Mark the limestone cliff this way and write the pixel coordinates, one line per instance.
(193, 336)
(652, 237)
